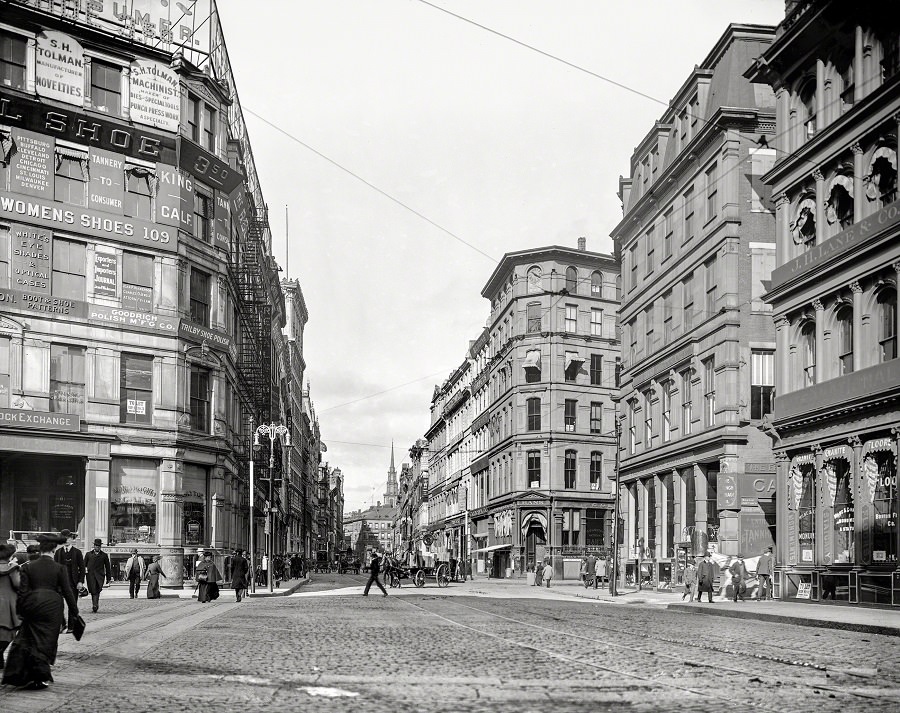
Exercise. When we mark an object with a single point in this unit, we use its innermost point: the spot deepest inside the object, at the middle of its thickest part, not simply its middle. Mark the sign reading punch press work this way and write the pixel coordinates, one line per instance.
(155, 95)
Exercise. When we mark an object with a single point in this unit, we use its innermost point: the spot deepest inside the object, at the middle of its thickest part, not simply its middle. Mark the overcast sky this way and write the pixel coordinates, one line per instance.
(503, 147)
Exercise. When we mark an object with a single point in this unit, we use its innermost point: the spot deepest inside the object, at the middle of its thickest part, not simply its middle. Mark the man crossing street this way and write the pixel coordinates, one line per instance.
(374, 570)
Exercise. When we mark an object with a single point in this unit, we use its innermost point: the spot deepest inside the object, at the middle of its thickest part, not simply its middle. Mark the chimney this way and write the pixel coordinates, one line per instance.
(582, 244)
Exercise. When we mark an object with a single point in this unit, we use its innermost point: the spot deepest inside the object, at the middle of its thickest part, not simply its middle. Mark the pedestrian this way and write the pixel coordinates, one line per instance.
(72, 559)
(43, 585)
(706, 577)
(764, 571)
(9, 585)
(374, 569)
(738, 578)
(135, 568)
(690, 580)
(240, 571)
(547, 575)
(97, 571)
(154, 572)
(469, 567)
(590, 565)
(207, 579)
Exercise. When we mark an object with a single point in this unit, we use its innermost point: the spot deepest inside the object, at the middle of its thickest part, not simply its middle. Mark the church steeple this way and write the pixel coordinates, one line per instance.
(393, 488)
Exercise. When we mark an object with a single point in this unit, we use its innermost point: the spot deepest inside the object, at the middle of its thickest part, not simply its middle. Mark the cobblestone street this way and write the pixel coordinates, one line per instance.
(473, 651)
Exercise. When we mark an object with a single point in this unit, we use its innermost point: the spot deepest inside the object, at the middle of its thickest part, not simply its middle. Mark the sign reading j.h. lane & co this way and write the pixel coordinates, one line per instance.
(39, 421)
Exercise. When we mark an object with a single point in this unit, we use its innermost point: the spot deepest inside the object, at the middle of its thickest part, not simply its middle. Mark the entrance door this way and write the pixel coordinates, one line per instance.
(535, 545)
(41, 493)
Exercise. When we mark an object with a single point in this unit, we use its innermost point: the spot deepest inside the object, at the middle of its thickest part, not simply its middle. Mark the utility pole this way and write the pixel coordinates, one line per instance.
(613, 580)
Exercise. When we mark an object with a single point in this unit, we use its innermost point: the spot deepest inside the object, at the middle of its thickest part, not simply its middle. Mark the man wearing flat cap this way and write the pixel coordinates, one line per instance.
(71, 558)
(99, 571)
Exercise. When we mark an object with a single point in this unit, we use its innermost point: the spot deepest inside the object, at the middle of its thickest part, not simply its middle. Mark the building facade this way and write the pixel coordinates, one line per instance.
(835, 71)
(697, 245)
(140, 309)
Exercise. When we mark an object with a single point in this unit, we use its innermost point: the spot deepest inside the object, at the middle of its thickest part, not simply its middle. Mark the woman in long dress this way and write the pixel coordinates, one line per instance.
(207, 579)
(9, 584)
(154, 572)
(43, 584)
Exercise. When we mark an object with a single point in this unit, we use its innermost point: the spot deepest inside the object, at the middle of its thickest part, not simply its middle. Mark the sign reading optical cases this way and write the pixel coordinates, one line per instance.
(155, 95)
(56, 215)
(40, 421)
(59, 68)
(30, 258)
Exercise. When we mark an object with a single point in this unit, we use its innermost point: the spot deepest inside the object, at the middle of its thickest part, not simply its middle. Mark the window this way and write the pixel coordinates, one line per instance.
(632, 426)
(688, 215)
(596, 470)
(70, 182)
(762, 262)
(808, 347)
(572, 366)
(596, 369)
(650, 485)
(69, 261)
(648, 418)
(596, 322)
(533, 407)
(709, 398)
(762, 383)
(845, 340)
(106, 87)
(632, 260)
(651, 249)
(666, 387)
(4, 372)
(4, 256)
(596, 284)
(596, 417)
(137, 389)
(884, 535)
(12, 60)
(137, 281)
(571, 280)
(66, 379)
(668, 316)
(687, 414)
(534, 469)
(887, 319)
(667, 235)
(201, 120)
(533, 318)
(571, 325)
(200, 297)
(200, 399)
(711, 288)
(569, 470)
(133, 486)
(838, 473)
(138, 192)
(617, 373)
(712, 192)
(534, 280)
(202, 216)
(649, 337)
(633, 336)
(569, 418)
(690, 496)
(687, 299)
(712, 503)
(571, 527)
(808, 100)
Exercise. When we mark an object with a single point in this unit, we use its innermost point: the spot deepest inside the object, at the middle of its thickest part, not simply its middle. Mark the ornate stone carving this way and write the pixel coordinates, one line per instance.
(817, 305)
(856, 148)
(171, 497)
(855, 287)
(781, 199)
(818, 175)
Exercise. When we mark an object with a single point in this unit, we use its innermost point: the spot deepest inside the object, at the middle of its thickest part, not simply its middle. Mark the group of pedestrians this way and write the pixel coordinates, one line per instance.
(701, 578)
(543, 574)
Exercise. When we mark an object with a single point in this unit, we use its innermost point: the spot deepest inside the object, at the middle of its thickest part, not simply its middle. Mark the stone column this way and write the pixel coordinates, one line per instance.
(217, 529)
(820, 96)
(860, 516)
(700, 494)
(782, 499)
(169, 521)
(821, 221)
(821, 373)
(782, 118)
(860, 360)
(859, 198)
(782, 356)
(30, 65)
(96, 511)
(784, 246)
(556, 523)
(858, 65)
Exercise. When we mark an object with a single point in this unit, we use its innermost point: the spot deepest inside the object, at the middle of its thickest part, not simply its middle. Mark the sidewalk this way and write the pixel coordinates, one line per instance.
(119, 590)
(848, 618)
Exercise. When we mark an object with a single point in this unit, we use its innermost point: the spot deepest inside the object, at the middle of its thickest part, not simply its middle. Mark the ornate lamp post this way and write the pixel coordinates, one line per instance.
(273, 431)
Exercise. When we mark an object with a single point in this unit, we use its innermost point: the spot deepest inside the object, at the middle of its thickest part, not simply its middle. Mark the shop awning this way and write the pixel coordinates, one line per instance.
(532, 360)
(491, 548)
(537, 517)
(573, 360)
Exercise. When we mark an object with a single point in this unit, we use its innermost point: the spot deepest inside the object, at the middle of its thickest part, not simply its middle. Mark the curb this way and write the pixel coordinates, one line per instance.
(786, 619)
(283, 593)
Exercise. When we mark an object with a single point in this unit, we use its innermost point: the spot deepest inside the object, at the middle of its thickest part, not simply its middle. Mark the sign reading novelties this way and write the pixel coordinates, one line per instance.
(31, 164)
(106, 274)
(107, 188)
(59, 68)
(155, 95)
(31, 248)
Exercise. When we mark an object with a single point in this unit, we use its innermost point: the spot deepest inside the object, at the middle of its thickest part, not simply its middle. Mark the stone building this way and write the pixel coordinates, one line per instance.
(835, 71)
(697, 245)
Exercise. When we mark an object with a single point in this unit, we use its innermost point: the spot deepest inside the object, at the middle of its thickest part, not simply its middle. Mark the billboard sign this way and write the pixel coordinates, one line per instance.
(59, 68)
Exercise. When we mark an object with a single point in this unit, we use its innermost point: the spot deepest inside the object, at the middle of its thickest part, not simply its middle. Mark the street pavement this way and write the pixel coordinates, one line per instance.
(478, 646)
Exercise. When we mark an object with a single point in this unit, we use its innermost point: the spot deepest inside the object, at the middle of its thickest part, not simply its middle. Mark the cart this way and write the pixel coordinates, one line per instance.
(419, 573)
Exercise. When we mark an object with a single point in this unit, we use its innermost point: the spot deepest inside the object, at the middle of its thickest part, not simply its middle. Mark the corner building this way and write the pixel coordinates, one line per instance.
(697, 244)
(138, 295)
(835, 70)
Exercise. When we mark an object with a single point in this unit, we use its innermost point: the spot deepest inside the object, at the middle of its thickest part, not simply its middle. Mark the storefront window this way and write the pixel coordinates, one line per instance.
(193, 531)
(837, 474)
(807, 511)
(132, 500)
(712, 504)
(880, 470)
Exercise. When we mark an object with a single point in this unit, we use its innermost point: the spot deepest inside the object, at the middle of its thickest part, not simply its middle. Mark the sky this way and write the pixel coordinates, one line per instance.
(402, 151)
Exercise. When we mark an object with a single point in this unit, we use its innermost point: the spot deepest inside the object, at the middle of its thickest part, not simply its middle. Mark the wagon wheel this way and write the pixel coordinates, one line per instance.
(419, 578)
(442, 575)
(393, 579)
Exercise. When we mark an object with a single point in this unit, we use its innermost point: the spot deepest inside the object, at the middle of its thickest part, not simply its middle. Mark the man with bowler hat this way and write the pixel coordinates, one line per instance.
(98, 572)
(72, 560)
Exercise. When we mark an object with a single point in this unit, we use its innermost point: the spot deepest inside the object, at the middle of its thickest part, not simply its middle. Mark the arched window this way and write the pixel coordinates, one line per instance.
(844, 319)
(534, 280)
(803, 228)
(887, 324)
(839, 206)
(807, 96)
(571, 280)
(845, 69)
(808, 352)
(596, 284)
(881, 181)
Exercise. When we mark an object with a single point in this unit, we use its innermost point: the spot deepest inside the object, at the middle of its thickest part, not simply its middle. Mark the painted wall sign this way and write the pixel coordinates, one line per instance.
(58, 215)
(106, 274)
(107, 187)
(91, 130)
(132, 319)
(222, 224)
(169, 210)
(39, 421)
(210, 169)
(31, 303)
(199, 334)
(155, 95)
(59, 68)
(30, 258)
(31, 166)
(728, 493)
(137, 297)
(760, 468)
(240, 210)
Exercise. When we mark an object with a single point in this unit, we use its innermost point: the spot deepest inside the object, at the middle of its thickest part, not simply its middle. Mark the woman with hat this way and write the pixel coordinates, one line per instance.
(154, 572)
(207, 579)
(43, 586)
(9, 584)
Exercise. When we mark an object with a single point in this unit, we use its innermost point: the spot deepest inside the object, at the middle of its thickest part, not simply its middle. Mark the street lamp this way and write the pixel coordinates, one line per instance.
(613, 580)
(273, 431)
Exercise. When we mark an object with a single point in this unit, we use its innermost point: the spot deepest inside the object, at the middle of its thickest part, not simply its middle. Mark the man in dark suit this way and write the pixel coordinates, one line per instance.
(98, 572)
(70, 557)
(374, 570)
(706, 577)
(240, 574)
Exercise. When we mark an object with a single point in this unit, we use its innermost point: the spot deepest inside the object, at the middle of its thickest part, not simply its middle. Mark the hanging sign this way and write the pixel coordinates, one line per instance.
(155, 95)
(59, 68)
